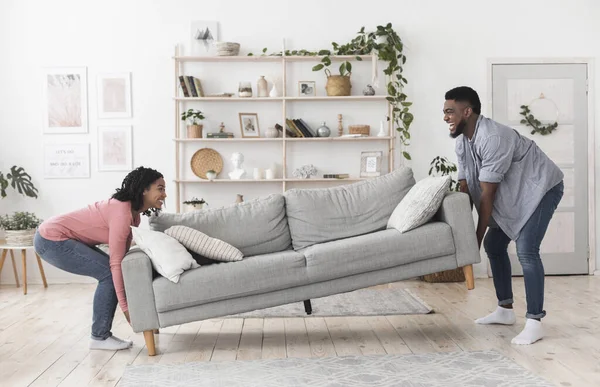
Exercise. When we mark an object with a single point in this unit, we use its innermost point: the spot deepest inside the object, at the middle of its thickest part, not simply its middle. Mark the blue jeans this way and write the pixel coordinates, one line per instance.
(528, 250)
(78, 258)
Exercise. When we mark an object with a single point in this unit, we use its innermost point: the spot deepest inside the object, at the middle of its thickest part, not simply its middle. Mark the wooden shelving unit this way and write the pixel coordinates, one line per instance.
(179, 141)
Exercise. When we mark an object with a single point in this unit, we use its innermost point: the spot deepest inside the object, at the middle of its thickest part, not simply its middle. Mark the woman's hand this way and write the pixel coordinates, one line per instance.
(127, 317)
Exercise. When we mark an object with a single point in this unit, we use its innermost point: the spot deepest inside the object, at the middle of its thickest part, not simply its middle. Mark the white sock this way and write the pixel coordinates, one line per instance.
(532, 332)
(111, 344)
(501, 315)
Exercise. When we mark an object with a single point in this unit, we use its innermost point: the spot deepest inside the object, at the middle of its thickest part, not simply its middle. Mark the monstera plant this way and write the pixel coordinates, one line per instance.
(19, 180)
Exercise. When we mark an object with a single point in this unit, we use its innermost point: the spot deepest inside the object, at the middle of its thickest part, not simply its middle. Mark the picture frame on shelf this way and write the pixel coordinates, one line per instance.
(370, 163)
(203, 35)
(64, 100)
(249, 125)
(307, 89)
(114, 95)
(115, 148)
(66, 161)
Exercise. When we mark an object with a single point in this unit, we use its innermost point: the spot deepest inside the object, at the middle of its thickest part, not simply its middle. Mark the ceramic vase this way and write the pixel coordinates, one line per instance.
(262, 88)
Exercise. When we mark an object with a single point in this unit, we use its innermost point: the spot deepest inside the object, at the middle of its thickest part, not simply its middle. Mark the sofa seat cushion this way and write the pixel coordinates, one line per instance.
(326, 214)
(254, 227)
(376, 251)
(252, 275)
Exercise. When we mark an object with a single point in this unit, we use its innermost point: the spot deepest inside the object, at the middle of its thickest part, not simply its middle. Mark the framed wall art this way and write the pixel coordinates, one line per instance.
(115, 148)
(370, 164)
(249, 125)
(64, 100)
(66, 161)
(114, 95)
(307, 89)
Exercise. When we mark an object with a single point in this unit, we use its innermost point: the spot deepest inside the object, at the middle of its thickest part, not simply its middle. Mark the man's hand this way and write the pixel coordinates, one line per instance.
(488, 195)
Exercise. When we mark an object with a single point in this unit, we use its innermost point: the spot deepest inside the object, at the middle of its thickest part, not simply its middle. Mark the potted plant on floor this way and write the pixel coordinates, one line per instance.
(19, 228)
(193, 118)
(18, 179)
(441, 166)
(194, 204)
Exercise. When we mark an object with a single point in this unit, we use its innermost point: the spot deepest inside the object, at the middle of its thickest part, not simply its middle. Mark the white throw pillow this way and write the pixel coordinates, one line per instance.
(420, 203)
(204, 245)
(169, 258)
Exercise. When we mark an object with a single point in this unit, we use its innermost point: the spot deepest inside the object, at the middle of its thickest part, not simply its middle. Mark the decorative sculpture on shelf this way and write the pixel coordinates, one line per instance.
(238, 172)
(305, 172)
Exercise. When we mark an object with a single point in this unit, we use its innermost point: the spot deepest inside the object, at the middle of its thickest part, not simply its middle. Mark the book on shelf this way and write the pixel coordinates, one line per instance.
(300, 127)
(220, 135)
(190, 86)
(336, 175)
(354, 135)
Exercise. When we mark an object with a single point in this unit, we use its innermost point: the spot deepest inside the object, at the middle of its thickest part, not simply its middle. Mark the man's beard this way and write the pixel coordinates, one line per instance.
(459, 129)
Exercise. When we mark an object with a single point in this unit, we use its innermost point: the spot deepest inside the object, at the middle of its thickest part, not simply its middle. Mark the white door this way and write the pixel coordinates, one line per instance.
(554, 93)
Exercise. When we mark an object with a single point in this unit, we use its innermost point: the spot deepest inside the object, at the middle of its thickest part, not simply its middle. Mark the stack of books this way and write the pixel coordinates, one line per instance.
(336, 176)
(219, 135)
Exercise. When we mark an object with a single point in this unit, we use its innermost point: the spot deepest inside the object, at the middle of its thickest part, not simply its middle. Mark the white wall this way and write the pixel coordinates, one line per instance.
(447, 44)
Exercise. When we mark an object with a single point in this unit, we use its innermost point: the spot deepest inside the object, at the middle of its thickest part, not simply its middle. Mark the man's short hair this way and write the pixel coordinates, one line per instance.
(465, 94)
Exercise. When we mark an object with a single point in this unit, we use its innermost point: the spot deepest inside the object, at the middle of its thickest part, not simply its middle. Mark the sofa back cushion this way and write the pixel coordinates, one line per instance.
(326, 214)
(254, 227)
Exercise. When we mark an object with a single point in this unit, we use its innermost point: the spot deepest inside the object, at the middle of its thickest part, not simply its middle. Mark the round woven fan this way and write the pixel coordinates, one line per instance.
(204, 160)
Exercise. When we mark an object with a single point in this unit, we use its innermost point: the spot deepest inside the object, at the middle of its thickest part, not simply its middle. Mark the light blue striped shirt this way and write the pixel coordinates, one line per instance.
(499, 154)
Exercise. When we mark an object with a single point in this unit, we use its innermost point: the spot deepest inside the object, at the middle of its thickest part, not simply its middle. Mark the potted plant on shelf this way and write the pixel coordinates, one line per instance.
(193, 118)
(211, 175)
(19, 228)
(194, 204)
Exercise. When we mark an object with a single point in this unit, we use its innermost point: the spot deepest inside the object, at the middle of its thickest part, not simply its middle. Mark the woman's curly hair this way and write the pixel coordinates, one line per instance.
(133, 187)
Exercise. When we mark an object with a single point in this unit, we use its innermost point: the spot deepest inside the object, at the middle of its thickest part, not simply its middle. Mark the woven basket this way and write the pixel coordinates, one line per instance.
(194, 131)
(337, 85)
(359, 129)
(204, 160)
(19, 237)
(455, 275)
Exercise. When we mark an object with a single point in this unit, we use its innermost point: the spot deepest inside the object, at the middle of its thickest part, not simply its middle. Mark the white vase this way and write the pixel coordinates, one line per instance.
(211, 175)
(274, 92)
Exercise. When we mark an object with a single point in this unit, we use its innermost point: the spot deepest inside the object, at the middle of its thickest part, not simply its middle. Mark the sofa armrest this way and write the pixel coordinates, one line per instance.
(137, 276)
(456, 211)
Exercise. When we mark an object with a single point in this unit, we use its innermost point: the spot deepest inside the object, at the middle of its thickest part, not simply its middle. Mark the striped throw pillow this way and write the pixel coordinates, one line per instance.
(202, 244)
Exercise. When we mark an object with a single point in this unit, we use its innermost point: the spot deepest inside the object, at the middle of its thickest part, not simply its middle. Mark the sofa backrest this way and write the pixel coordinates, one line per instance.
(326, 214)
(255, 227)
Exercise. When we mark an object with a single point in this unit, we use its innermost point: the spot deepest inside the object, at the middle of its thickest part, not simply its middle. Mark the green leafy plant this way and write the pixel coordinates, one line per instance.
(19, 221)
(537, 126)
(192, 116)
(443, 167)
(195, 201)
(19, 180)
(387, 45)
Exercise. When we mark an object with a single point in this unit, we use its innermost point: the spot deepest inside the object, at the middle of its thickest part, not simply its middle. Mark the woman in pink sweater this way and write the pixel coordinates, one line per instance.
(69, 242)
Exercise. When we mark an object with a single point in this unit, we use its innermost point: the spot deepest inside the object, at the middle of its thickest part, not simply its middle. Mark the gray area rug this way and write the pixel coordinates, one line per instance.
(363, 302)
(483, 368)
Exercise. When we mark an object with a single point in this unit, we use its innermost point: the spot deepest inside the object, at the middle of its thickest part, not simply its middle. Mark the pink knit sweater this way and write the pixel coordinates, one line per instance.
(106, 221)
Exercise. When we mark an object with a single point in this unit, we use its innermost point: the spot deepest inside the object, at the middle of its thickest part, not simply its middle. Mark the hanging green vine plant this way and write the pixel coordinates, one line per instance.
(388, 47)
(537, 126)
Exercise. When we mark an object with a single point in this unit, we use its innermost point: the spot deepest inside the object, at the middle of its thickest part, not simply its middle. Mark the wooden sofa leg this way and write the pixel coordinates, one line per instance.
(469, 277)
(307, 307)
(149, 338)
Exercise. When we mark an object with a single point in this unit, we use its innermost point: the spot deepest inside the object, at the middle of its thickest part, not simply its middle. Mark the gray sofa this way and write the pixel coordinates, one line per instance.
(303, 244)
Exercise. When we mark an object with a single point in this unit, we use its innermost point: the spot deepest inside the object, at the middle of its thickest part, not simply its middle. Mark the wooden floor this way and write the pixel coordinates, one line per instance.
(44, 335)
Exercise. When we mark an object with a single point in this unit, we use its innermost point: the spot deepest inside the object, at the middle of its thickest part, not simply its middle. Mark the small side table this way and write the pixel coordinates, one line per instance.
(6, 249)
